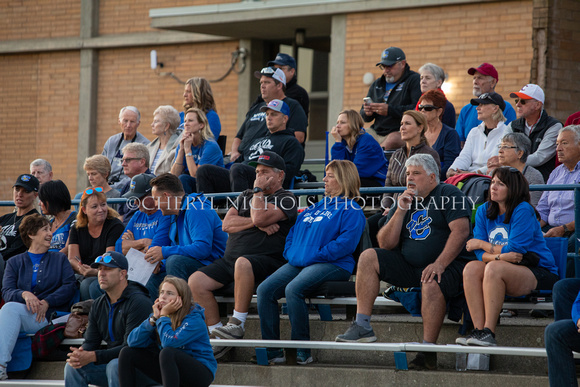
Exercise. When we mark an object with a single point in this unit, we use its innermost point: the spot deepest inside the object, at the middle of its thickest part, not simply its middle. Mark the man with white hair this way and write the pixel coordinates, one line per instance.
(42, 170)
(129, 120)
(541, 128)
(485, 78)
(421, 245)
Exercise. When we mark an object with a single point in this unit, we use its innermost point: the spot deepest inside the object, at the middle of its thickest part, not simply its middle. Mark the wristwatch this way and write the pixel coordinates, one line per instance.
(258, 189)
(189, 154)
(152, 320)
(567, 232)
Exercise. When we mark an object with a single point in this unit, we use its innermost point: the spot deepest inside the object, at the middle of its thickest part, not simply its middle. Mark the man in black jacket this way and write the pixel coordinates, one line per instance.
(113, 316)
(241, 176)
(541, 128)
(395, 92)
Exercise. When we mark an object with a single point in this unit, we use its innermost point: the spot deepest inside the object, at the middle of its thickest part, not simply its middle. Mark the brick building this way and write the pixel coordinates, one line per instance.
(68, 66)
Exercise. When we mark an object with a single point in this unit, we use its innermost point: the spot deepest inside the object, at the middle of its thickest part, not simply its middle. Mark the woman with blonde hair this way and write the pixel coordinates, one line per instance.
(172, 346)
(95, 232)
(162, 149)
(98, 169)
(197, 94)
(356, 145)
(196, 147)
(319, 248)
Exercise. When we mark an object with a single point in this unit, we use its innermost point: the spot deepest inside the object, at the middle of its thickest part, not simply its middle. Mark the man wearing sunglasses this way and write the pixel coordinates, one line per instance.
(272, 86)
(485, 78)
(541, 128)
(395, 92)
(124, 306)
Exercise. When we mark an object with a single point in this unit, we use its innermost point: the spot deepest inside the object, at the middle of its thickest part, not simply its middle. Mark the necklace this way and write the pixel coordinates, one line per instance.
(61, 223)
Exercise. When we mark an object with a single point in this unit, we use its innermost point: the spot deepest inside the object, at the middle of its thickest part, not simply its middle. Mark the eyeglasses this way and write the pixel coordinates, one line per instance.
(90, 191)
(129, 159)
(521, 101)
(382, 66)
(428, 108)
(503, 147)
(107, 258)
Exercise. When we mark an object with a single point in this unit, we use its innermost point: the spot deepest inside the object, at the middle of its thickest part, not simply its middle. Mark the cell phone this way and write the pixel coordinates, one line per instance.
(367, 100)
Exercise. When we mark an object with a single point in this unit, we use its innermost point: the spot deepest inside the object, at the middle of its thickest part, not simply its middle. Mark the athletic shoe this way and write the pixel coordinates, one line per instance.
(463, 340)
(218, 351)
(3, 373)
(484, 338)
(303, 357)
(357, 334)
(233, 330)
(424, 361)
(275, 356)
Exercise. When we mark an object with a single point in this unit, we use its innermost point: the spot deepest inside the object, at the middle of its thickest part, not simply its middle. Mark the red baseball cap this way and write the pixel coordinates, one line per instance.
(485, 69)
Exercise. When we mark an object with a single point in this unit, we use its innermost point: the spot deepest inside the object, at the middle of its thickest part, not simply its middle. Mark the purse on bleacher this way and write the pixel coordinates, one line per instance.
(78, 320)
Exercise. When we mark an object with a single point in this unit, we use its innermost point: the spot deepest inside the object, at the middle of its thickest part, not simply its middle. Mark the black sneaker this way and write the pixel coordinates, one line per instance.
(424, 361)
(463, 340)
(484, 338)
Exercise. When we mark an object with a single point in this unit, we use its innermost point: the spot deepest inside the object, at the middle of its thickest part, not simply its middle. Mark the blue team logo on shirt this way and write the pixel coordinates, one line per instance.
(499, 236)
(419, 225)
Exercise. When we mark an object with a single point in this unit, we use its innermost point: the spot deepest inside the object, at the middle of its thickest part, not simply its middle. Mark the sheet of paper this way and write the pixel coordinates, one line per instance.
(139, 269)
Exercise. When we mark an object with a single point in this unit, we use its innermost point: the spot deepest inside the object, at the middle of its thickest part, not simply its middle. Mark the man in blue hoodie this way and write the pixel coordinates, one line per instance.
(113, 316)
(421, 245)
(196, 234)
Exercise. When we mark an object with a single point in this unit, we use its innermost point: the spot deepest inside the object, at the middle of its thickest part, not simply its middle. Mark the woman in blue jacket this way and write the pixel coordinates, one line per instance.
(318, 249)
(36, 284)
(172, 346)
(507, 240)
(356, 145)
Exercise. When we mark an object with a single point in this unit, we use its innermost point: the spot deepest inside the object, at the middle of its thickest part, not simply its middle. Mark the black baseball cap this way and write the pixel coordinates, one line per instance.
(270, 159)
(139, 186)
(489, 98)
(28, 182)
(391, 55)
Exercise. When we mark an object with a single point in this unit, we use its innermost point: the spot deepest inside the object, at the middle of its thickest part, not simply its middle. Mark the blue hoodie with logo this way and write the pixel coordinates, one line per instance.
(326, 232)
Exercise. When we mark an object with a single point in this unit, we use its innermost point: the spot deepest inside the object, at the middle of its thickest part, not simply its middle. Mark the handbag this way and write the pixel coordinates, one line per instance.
(529, 259)
(78, 320)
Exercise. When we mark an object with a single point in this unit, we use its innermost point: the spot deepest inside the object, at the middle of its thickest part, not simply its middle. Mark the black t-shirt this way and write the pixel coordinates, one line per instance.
(89, 247)
(254, 241)
(426, 226)
(10, 241)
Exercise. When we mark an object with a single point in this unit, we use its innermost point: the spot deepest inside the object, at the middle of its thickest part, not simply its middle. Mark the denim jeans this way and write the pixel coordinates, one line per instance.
(86, 284)
(189, 183)
(99, 375)
(15, 318)
(293, 283)
(563, 294)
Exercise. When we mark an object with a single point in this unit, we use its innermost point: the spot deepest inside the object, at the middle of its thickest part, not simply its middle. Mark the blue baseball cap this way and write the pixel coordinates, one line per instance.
(283, 60)
(111, 259)
(277, 105)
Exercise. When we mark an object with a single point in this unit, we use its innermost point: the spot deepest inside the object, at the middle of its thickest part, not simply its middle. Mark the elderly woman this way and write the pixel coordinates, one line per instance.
(36, 284)
(432, 77)
(513, 258)
(196, 147)
(354, 144)
(318, 249)
(55, 200)
(480, 151)
(98, 169)
(197, 94)
(513, 152)
(95, 232)
(444, 139)
(162, 149)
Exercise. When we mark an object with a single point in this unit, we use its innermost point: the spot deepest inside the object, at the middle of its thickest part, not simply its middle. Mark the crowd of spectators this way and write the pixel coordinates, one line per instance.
(53, 254)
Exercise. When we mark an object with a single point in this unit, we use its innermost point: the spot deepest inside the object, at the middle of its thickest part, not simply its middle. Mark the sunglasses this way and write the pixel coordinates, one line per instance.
(521, 101)
(427, 108)
(106, 259)
(382, 66)
(90, 191)
(268, 70)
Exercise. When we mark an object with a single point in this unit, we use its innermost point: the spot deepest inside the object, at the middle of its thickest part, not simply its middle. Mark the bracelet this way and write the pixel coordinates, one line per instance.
(497, 257)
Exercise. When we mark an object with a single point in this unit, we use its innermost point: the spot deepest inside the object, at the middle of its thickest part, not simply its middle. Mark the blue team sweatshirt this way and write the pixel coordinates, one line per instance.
(155, 227)
(366, 154)
(326, 232)
(196, 231)
(520, 235)
(191, 336)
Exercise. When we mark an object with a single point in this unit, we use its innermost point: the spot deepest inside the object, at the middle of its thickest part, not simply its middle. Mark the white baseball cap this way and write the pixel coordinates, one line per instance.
(530, 91)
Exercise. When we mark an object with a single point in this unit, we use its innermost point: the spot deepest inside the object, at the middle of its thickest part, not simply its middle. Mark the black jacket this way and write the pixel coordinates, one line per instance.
(133, 307)
(403, 97)
(536, 136)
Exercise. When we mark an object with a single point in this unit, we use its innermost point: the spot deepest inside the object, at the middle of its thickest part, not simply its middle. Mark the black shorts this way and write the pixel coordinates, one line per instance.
(395, 270)
(222, 270)
(546, 279)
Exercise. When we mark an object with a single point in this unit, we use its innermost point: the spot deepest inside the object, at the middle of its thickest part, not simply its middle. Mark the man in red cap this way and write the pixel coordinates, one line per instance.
(485, 78)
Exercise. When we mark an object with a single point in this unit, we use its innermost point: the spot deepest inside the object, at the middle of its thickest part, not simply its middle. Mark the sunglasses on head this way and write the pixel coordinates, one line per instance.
(107, 258)
(90, 191)
(268, 70)
(428, 108)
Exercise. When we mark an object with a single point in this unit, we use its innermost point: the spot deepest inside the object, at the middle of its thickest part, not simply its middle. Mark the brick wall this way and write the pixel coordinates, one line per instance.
(25, 19)
(453, 37)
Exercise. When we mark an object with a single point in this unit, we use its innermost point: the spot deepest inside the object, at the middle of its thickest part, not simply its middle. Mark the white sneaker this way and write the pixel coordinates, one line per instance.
(3, 373)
